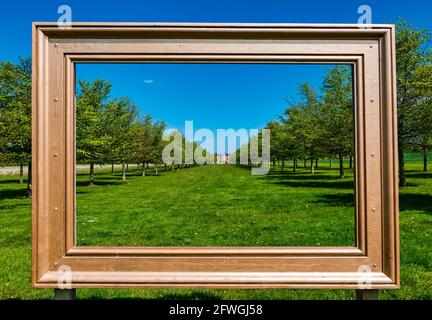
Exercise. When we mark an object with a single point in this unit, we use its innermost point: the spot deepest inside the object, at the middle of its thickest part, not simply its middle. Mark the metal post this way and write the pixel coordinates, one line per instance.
(64, 294)
(367, 294)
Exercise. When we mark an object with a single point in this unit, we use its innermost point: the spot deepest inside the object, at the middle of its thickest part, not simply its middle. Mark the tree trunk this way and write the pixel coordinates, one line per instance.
(294, 164)
(112, 167)
(283, 165)
(127, 167)
(402, 175)
(91, 175)
(304, 163)
(330, 162)
(29, 180)
(156, 168)
(172, 167)
(341, 167)
(312, 169)
(350, 162)
(21, 173)
(274, 163)
(123, 171)
(425, 161)
(143, 170)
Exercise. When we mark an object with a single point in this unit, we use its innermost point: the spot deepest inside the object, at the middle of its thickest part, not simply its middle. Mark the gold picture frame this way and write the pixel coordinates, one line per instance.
(372, 53)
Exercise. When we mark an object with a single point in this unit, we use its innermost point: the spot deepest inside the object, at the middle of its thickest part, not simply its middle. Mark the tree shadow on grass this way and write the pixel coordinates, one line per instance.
(153, 174)
(407, 201)
(417, 202)
(116, 176)
(304, 179)
(100, 182)
(316, 183)
(15, 205)
(12, 181)
(304, 176)
(14, 194)
(337, 200)
(419, 175)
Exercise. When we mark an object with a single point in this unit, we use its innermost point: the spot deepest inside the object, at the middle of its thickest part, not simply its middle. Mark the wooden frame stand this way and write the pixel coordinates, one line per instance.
(367, 294)
(370, 51)
(64, 294)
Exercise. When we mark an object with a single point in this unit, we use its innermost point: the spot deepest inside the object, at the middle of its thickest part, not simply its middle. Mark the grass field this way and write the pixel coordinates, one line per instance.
(218, 205)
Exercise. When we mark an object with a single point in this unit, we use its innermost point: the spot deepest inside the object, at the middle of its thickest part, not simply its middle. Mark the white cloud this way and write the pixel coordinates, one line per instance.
(148, 81)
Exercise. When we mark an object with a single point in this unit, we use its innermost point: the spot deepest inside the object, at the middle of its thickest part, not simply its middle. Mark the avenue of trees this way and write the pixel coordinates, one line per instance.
(111, 130)
(414, 93)
(15, 115)
(317, 126)
(320, 124)
(108, 130)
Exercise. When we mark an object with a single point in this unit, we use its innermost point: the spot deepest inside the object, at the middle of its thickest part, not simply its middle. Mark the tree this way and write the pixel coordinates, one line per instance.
(15, 115)
(337, 114)
(423, 142)
(120, 121)
(148, 144)
(412, 58)
(283, 144)
(276, 140)
(303, 121)
(92, 138)
(157, 144)
(143, 142)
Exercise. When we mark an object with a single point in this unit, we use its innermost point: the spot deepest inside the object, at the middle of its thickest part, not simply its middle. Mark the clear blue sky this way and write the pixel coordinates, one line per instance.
(212, 95)
(16, 16)
(252, 94)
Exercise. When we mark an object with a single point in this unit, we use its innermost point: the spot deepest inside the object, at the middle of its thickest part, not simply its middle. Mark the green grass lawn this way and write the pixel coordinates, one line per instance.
(217, 205)
(224, 206)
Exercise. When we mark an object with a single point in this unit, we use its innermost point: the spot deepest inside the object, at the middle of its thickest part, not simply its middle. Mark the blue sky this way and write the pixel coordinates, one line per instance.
(16, 16)
(212, 95)
(252, 94)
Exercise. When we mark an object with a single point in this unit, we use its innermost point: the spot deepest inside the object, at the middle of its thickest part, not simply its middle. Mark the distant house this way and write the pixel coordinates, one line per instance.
(222, 158)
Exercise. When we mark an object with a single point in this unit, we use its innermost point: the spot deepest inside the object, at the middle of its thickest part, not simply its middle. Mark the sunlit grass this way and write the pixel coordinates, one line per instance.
(415, 223)
(217, 205)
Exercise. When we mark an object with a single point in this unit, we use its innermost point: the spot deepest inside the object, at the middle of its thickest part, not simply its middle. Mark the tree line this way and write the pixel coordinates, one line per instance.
(112, 130)
(320, 125)
(15, 115)
(108, 130)
(414, 93)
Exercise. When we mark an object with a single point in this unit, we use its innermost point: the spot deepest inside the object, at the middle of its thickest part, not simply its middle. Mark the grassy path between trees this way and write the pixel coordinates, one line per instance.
(218, 205)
